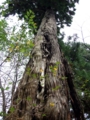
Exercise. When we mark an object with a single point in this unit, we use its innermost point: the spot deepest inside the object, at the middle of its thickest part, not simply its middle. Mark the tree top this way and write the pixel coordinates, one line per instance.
(64, 9)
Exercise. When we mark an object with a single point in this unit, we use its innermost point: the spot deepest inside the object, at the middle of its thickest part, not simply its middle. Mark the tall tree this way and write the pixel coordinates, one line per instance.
(46, 88)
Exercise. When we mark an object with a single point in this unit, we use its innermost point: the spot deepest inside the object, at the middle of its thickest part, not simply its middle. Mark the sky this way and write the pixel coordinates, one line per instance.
(81, 22)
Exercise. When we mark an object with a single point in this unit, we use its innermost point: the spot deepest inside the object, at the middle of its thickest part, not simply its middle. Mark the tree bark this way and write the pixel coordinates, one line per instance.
(3, 100)
(43, 92)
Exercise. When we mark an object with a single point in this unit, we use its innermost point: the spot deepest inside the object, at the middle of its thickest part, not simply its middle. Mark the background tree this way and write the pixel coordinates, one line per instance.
(13, 58)
(43, 88)
(78, 56)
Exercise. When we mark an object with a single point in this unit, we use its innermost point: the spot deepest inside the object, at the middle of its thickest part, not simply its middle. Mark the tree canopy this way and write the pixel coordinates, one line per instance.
(64, 9)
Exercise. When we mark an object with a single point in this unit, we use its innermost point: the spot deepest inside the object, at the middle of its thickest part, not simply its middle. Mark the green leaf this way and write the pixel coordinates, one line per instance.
(28, 98)
(63, 78)
(56, 88)
(7, 88)
(43, 115)
(12, 109)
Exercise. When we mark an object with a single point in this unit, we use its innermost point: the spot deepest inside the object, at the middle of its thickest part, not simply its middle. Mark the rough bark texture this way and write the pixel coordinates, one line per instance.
(43, 92)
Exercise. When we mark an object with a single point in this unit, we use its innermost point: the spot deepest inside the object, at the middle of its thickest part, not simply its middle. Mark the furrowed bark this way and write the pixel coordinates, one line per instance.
(43, 92)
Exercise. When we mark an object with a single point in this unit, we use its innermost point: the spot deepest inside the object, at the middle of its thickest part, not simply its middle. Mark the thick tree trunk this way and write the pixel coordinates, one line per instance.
(43, 92)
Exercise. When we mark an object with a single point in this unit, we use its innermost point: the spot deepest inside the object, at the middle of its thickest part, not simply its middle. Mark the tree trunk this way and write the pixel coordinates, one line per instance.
(43, 92)
(3, 100)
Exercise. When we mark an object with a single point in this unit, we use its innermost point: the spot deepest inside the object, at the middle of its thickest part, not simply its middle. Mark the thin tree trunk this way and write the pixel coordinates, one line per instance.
(43, 92)
(3, 100)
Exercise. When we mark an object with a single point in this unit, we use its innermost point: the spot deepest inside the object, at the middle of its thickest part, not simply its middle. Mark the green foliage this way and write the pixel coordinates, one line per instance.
(29, 16)
(16, 43)
(7, 88)
(54, 68)
(3, 35)
(28, 98)
(56, 88)
(64, 9)
(16, 40)
(78, 55)
(2, 114)
(43, 115)
(12, 109)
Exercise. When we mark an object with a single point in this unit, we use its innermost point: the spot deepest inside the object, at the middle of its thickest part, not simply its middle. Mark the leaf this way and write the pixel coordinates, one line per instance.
(10, 49)
(6, 88)
(17, 47)
(55, 68)
(12, 109)
(31, 44)
(63, 78)
(43, 115)
(1, 113)
(1, 88)
(10, 83)
(56, 88)
(41, 70)
(8, 59)
(34, 105)
(34, 75)
(57, 63)
(28, 98)
(52, 104)
(42, 77)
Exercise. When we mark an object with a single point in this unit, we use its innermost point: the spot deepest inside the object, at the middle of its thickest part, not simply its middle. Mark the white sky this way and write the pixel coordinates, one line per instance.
(81, 20)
